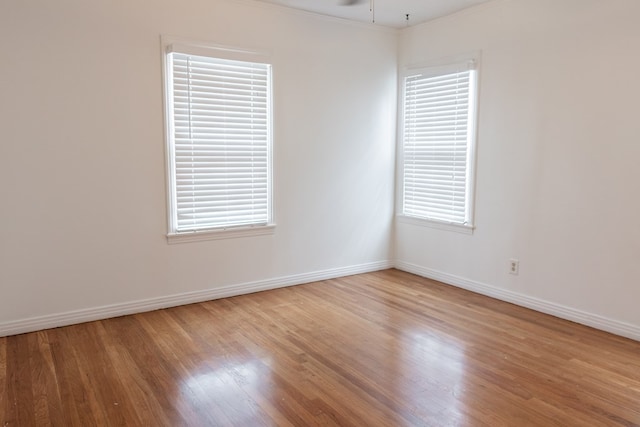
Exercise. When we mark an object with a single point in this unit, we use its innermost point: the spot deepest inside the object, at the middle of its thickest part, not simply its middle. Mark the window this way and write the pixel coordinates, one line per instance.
(438, 137)
(218, 142)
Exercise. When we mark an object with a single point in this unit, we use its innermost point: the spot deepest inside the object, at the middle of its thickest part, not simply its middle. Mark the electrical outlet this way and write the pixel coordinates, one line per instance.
(514, 267)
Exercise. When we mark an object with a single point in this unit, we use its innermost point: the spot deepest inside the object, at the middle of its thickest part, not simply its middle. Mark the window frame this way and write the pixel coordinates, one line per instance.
(442, 67)
(174, 44)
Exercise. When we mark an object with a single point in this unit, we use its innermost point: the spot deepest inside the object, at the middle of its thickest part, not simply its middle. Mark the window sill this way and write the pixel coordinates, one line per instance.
(226, 233)
(440, 225)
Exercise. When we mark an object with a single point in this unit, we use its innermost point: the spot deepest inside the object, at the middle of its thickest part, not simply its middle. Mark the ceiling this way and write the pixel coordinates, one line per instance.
(390, 13)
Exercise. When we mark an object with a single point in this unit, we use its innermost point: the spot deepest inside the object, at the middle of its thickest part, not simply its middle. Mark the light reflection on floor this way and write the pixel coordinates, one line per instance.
(241, 391)
(441, 377)
(225, 393)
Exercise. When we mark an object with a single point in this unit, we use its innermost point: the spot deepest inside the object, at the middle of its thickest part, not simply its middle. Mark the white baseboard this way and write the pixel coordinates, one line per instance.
(595, 321)
(115, 310)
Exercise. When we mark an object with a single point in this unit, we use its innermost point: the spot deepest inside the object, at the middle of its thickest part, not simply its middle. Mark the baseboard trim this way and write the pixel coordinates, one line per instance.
(595, 321)
(98, 313)
(115, 310)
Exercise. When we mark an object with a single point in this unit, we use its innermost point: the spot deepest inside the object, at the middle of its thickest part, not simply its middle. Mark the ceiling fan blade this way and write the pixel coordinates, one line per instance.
(350, 2)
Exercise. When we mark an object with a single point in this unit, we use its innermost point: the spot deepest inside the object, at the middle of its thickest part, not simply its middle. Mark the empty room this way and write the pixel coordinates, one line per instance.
(319, 213)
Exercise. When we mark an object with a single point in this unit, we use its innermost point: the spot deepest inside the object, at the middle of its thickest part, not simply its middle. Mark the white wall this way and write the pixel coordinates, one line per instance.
(558, 149)
(82, 182)
(82, 179)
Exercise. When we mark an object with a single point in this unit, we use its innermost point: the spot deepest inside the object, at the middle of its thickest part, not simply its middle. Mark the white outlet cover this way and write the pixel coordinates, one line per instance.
(514, 267)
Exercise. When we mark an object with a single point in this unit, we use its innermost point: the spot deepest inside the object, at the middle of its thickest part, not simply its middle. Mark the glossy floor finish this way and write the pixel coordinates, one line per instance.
(379, 349)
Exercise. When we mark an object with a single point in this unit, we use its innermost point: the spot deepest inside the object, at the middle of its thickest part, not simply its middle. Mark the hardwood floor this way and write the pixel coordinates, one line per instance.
(379, 349)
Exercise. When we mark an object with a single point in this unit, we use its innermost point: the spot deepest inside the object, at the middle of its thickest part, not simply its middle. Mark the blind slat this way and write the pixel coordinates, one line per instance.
(220, 142)
(435, 146)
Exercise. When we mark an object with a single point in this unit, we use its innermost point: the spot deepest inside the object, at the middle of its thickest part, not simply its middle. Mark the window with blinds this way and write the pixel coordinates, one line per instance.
(438, 136)
(219, 129)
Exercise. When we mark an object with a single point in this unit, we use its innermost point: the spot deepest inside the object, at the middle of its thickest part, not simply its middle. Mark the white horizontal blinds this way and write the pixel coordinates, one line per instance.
(435, 146)
(221, 142)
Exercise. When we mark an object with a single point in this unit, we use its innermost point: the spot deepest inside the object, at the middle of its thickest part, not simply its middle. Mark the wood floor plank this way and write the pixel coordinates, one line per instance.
(20, 405)
(137, 392)
(4, 401)
(160, 378)
(183, 356)
(238, 370)
(73, 396)
(44, 384)
(379, 349)
(312, 378)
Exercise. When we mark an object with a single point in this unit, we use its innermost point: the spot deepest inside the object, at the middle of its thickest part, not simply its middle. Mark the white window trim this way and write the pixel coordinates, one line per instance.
(436, 67)
(172, 43)
(222, 233)
(431, 223)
